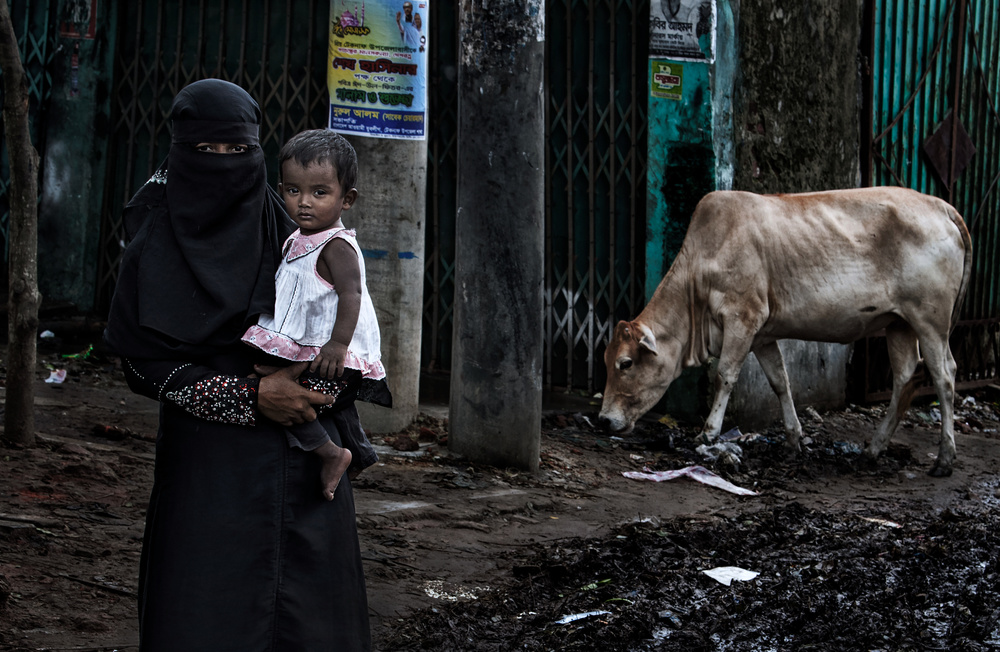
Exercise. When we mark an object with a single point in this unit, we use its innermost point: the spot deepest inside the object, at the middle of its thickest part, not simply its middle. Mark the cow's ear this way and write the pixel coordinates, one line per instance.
(648, 340)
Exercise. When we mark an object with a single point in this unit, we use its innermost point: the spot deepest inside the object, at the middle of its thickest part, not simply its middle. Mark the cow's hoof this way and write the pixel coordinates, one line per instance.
(939, 471)
(868, 461)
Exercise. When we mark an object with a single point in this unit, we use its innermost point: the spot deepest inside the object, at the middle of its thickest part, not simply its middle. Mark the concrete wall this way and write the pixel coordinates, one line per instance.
(796, 113)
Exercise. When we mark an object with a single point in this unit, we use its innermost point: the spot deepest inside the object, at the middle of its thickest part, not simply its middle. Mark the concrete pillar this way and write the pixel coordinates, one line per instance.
(496, 383)
(390, 217)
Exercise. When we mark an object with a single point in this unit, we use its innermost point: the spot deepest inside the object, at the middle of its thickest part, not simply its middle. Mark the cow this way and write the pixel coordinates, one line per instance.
(832, 266)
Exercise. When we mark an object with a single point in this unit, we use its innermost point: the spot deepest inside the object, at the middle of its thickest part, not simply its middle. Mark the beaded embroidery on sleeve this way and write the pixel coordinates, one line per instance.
(226, 399)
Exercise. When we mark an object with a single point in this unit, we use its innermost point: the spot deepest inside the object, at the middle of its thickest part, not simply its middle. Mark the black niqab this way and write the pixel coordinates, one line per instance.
(201, 266)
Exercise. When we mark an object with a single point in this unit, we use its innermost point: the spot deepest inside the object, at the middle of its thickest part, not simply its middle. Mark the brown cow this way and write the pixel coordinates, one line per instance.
(826, 266)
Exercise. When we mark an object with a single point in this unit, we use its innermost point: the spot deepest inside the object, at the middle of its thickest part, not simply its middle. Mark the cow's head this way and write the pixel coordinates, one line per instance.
(639, 371)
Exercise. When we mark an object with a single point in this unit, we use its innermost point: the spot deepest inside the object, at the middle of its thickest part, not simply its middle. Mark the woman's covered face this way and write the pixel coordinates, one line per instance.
(222, 148)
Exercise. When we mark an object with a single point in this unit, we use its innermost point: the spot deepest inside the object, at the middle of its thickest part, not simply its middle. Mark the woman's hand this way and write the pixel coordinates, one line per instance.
(282, 400)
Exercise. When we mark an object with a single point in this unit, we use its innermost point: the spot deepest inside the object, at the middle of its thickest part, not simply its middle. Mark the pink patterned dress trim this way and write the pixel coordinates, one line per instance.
(280, 346)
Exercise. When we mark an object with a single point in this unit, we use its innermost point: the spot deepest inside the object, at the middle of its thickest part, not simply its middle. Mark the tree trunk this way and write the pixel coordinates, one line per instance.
(24, 298)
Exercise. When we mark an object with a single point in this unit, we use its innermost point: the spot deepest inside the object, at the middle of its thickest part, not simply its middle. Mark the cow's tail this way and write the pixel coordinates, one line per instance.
(956, 218)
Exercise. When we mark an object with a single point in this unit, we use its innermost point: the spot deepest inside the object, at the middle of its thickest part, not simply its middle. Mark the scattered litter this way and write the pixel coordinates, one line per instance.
(668, 421)
(969, 400)
(730, 435)
(389, 451)
(726, 574)
(82, 355)
(574, 617)
(881, 521)
(435, 589)
(584, 418)
(699, 473)
(929, 417)
(726, 452)
(56, 376)
(46, 335)
(671, 615)
(594, 585)
(846, 447)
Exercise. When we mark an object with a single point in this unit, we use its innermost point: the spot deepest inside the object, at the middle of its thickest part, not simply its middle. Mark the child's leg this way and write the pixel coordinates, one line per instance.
(345, 415)
(353, 438)
(313, 437)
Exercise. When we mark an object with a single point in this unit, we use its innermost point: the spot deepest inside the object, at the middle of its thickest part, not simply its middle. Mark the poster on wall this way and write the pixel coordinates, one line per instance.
(679, 28)
(667, 79)
(79, 19)
(377, 68)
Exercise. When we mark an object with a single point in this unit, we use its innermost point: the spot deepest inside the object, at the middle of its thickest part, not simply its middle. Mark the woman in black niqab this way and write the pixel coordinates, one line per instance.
(209, 238)
(240, 550)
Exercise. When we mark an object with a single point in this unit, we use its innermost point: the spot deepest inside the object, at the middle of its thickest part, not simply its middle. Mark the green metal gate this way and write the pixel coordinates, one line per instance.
(932, 90)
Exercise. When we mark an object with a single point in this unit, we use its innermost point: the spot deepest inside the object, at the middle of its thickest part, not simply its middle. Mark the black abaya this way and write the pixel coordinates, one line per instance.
(241, 552)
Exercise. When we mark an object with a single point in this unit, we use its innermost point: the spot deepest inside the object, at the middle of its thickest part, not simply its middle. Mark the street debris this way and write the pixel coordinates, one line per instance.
(699, 473)
(726, 574)
(565, 620)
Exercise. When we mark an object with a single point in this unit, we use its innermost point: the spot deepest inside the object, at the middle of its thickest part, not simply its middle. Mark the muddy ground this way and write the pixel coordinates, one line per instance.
(578, 557)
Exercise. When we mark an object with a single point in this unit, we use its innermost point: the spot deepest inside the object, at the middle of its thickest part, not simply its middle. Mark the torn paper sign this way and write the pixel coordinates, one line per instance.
(699, 473)
(726, 574)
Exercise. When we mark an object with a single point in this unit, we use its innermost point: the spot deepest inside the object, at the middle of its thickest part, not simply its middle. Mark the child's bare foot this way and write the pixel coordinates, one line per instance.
(335, 462)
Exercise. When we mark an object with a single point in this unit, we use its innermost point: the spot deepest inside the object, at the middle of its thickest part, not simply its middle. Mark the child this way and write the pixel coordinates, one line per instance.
(323, 312)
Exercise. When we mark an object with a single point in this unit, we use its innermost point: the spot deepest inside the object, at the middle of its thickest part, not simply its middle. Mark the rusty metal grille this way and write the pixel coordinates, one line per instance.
(163, 46)
(442, 189)
(927, 64)
(596, 92)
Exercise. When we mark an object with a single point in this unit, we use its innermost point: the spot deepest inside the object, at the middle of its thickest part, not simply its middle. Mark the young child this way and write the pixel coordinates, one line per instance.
(323, 312)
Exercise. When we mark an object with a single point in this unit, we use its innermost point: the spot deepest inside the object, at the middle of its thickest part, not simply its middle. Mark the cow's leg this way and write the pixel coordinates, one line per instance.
(773, 365)
(904, 357)
(735, 348)
(941, 366)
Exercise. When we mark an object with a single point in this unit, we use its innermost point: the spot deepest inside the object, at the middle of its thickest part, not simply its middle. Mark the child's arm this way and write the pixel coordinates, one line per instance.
(338, 264)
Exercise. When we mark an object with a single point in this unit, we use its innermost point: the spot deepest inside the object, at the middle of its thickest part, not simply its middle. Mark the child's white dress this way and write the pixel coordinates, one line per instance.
(306, 308)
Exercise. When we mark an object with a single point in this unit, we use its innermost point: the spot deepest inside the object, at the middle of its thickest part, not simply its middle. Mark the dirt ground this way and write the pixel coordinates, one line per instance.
(578, 557)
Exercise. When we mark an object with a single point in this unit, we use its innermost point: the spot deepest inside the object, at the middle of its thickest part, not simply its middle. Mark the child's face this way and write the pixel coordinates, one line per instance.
(313, 196)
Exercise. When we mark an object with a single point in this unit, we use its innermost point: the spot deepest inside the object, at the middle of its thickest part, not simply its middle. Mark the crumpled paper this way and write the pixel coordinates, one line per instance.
(699, 473)
(726, 574)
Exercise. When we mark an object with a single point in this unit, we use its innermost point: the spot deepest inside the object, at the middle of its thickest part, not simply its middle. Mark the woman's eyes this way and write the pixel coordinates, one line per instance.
(221, 148)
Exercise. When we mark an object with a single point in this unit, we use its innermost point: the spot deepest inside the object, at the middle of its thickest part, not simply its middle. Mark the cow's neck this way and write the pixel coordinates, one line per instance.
(674, 313)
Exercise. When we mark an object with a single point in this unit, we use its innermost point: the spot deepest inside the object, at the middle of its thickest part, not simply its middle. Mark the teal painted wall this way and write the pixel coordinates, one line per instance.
(691, 153)
(74, 159)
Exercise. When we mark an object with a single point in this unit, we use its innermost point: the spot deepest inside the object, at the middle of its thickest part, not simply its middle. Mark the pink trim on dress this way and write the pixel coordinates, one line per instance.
(283, 347)
(297, 245)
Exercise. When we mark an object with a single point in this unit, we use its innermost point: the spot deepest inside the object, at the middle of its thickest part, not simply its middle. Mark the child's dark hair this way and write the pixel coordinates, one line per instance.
(323, 146)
